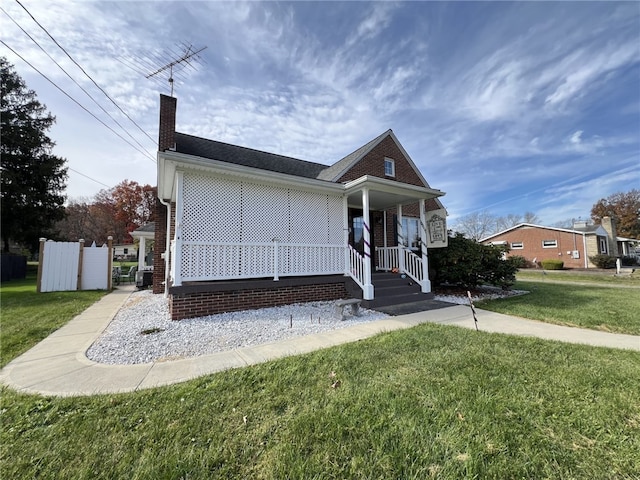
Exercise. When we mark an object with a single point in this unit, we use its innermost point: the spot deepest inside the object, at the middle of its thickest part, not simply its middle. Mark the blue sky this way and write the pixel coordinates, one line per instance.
(507, 107)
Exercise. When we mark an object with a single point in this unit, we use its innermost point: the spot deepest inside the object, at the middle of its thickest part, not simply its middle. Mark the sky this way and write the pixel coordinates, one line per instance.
(507, 107)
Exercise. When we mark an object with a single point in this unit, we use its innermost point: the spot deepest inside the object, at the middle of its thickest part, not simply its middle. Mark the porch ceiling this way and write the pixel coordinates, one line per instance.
(384, 194)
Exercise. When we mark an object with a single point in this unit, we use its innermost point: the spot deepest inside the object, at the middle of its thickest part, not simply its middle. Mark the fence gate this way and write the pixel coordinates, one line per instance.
(65, 266)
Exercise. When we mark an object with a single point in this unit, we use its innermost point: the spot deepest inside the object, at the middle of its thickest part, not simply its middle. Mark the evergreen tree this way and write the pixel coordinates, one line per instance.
(33, 180)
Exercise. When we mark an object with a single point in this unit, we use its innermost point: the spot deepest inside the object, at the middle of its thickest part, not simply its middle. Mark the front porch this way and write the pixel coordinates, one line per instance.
(200, 272)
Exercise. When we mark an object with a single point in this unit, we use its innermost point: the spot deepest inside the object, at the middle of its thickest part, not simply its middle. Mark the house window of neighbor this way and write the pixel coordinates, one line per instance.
(549, 244)
(126, 251)
(389, 167)
(517, 245)
(411, 232)
(603, 245)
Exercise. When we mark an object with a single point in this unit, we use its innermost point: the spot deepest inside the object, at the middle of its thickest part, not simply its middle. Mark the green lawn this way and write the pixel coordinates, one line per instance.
(429, 402)
(28, 317)
(597, 307)
(607, 277)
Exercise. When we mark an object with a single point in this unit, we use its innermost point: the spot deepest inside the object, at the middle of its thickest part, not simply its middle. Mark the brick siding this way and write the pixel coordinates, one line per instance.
(373, 164)
(197, 304)
(532, 237)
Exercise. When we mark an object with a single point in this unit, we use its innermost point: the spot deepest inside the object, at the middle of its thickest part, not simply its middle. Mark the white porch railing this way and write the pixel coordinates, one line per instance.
(356, 266)
(201, 261)
(403, 259)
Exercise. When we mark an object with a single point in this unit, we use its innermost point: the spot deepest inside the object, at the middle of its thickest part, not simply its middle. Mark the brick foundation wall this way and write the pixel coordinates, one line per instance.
(202, 303)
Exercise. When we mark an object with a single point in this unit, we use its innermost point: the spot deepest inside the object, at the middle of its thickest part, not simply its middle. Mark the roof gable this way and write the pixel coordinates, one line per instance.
(370, 157)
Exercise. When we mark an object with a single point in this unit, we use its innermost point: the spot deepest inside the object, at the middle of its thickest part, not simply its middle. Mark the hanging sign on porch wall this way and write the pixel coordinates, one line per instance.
(436, 228)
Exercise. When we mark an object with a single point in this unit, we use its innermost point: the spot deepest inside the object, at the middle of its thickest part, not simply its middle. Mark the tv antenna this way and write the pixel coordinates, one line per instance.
(186, 57)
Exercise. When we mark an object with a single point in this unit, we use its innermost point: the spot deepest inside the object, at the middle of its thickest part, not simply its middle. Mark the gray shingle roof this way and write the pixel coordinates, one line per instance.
(247, 157)
(147, 227)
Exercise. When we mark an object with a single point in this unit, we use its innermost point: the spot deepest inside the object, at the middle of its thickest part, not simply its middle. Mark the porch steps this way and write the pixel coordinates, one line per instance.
(391, 289)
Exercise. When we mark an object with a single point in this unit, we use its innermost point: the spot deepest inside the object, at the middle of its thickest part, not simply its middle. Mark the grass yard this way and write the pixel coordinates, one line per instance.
(607, 277)
(597, 307)
(28, 317)
(429, 402)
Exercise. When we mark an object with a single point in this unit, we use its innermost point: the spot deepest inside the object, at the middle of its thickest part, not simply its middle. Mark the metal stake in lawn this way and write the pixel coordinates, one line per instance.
(473, 310)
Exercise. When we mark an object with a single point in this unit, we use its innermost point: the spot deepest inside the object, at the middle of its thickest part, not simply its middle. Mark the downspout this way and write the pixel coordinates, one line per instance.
(167, 248)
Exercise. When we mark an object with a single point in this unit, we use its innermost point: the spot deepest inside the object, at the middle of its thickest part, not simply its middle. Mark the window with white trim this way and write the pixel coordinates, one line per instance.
(389, 167)
(549, 244)
(411, 232)
(517, 245)
(603, 245)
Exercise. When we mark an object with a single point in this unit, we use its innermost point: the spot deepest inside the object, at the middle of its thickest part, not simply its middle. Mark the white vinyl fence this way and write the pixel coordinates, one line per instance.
(65, 266)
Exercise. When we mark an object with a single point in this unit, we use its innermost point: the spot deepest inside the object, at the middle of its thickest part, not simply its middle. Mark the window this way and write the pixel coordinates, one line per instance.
(126, 251)
(603, 245)
(517, 245)
(411, 232)
(389, 167)
(549, 243)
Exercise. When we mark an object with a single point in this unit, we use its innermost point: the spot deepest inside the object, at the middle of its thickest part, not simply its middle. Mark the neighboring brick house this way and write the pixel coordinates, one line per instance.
(573, 246)
(250, 229)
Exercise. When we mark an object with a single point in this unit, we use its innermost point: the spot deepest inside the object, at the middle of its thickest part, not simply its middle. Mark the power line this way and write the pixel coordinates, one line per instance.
(72, 79)
(83, 71)
(87, 176)
(145, 153)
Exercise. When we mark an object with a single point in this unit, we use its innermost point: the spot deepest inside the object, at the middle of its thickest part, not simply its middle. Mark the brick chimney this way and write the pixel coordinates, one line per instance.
(609, 224)
(166, 141)
(167, 125)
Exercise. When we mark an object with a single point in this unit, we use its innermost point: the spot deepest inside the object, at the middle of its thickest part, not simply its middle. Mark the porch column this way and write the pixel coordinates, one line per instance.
(400, 239)
(177, 280)
(366, 232)
(345, 226)
(142, 247)
(425, 284)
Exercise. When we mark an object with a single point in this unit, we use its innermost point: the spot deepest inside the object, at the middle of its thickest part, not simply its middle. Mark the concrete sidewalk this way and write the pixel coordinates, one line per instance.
(58, 365)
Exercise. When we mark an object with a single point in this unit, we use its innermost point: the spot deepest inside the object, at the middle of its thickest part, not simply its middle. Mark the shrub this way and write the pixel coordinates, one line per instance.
(628, 261)
(603, 261)
(519, 261)
(468, 263)
(552, 264)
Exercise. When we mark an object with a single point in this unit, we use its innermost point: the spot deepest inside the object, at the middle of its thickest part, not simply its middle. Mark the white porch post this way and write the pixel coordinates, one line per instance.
(425, 284)
(177, 281)
(366, 231)
(141, 252)
(345, 227)
(400, 239)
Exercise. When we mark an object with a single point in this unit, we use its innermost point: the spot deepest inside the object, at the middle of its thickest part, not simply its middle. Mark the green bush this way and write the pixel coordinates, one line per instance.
(468, 263)
(603, 261)
(519, 261)
(628, 261)
(552, 264)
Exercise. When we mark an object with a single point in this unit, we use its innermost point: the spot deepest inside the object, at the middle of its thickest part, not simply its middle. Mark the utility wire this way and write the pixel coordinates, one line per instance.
(72, 79)
(145, 153)
(83, 71)
(87, 176)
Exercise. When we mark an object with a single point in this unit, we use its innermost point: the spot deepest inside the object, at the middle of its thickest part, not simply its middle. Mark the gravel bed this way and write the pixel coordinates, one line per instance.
(142, 331)
(482, 293)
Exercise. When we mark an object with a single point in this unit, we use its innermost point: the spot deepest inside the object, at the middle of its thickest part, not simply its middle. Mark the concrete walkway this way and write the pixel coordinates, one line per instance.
(58, 365)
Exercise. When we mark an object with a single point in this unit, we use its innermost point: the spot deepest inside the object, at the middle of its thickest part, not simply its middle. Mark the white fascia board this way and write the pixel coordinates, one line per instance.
(171, 162)
(391, 186)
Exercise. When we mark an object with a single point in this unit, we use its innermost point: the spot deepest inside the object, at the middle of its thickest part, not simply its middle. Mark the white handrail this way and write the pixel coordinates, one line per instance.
(356, 266)
(413, 266)
(401, 258)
